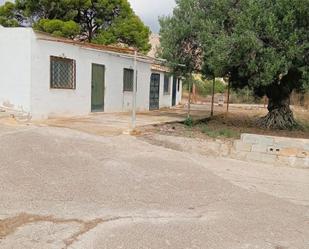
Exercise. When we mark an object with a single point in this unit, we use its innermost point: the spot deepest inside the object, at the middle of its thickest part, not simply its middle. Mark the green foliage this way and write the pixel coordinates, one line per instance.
(179, 38)
(101, 21)
(244, 95)
(204, 88)
(56, 27)
(188, 122)
(130, 31)
(7, 15)
(220, 133)
(260, 44)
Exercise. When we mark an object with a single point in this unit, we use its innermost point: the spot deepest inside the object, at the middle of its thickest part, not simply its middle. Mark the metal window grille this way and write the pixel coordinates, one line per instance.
(166, 84)
(62, 73)
(128, 75)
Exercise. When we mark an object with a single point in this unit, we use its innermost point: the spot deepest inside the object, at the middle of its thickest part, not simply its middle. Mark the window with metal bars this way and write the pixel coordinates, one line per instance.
(166, 84)
(128, 75)
(62, 73)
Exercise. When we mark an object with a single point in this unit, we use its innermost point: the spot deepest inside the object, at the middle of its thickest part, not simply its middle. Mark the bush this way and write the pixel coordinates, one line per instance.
(56, 27)
(189, 121)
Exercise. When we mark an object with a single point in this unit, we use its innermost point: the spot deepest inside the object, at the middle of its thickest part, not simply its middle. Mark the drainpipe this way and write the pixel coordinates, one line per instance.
(134, 92)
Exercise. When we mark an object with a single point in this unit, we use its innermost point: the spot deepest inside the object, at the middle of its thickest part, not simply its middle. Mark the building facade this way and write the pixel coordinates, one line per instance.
(47, 76)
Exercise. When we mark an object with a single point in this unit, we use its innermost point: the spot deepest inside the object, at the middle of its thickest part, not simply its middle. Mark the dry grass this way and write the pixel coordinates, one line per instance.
(230, 126)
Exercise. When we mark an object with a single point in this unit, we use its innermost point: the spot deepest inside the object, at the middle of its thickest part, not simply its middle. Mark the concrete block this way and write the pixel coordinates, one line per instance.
(257, 139)
(286, 160)
(239, 155)
(288, 152)
(301, 163)
(274, 150)
(259, 148)
(288, 143)
(261, 157)
(241, 146)
(303, 154)
(225, 150)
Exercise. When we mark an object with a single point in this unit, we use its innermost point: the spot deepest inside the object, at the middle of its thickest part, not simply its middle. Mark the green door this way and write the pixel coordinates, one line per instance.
(97, 87)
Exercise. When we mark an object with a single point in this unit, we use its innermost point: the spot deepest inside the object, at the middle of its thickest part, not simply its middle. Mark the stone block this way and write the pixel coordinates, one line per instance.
(286, 160)
(257, 139)
(261, 157)
(225, 150)
(239, 155)
(288, 152)
(259, 148)
(241, 146)
(303, 154)
(302, 163)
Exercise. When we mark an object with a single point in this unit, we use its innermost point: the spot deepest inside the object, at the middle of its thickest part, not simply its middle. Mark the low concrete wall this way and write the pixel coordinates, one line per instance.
(273, 150)
(279, 151)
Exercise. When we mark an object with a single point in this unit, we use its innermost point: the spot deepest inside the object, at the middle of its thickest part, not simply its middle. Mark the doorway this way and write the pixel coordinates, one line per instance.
(154, 100)
(97, 88)
(174, 91)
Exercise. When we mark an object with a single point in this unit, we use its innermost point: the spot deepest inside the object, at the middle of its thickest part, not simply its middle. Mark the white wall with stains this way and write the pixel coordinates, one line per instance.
(15, 64)
(25, 77)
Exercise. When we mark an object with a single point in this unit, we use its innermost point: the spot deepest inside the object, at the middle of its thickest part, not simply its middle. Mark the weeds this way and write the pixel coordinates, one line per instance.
(188, 122)
(217, 133)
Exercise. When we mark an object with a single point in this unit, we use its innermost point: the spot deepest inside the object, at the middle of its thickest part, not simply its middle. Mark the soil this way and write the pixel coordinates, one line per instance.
(237, 121)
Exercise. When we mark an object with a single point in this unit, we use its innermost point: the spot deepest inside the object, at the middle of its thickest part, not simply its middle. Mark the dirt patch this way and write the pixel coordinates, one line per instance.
(10, 225)
(230, 126)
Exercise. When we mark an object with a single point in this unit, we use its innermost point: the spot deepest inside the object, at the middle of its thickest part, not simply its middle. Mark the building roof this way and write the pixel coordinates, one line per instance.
(48, 37)
(156, 64)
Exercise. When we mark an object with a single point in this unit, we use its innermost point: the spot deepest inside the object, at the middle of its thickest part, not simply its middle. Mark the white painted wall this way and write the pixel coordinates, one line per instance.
(48, 102)
(25, 77)
(15, 64)
(165, 99)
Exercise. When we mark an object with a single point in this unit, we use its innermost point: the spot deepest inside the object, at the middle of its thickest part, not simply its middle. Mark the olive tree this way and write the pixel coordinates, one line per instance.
(260, 44)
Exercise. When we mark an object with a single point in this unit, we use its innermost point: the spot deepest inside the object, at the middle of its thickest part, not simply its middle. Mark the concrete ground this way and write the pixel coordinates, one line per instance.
(62, 188)
(117, 123)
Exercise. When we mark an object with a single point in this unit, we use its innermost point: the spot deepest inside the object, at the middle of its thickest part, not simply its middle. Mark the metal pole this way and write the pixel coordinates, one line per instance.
(228, 96)
(213, 97)
(189, 99)
(134, 92)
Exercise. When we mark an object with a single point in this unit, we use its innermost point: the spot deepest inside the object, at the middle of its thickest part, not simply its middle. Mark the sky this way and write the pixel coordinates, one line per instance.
(149, 11)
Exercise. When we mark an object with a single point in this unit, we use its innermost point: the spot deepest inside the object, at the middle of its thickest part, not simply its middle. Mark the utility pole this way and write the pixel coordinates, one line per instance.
(228, 96)
(134, 92)
(189, 98)
(213, 96)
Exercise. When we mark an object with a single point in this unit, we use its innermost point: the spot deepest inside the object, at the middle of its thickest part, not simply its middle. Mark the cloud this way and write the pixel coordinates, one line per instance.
(149, 11)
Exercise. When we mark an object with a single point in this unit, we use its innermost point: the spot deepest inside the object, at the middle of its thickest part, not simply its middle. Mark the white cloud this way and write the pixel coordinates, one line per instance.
(150, 10)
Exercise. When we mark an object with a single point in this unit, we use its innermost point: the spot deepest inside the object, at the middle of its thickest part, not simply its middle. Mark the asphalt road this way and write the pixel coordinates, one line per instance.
(61, 188)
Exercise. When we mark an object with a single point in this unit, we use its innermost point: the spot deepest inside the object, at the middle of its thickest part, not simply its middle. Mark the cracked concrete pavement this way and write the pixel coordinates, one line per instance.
(61, 188)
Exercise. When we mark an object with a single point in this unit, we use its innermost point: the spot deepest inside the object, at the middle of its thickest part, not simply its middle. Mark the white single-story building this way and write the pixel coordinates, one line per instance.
(47, 76)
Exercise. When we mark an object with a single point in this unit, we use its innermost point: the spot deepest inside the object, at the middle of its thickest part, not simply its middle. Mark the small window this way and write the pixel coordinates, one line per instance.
(62, 73)
(166, 84)
(128, 75)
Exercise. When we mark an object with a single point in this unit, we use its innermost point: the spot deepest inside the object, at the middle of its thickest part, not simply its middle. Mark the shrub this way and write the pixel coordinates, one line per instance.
(189, 121)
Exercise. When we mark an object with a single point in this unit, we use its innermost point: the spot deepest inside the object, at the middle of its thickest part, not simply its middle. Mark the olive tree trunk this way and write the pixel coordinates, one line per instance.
(280, 115)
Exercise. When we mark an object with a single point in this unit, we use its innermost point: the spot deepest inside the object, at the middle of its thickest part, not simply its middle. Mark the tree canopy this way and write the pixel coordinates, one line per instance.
(99, 21)
(261, 44)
